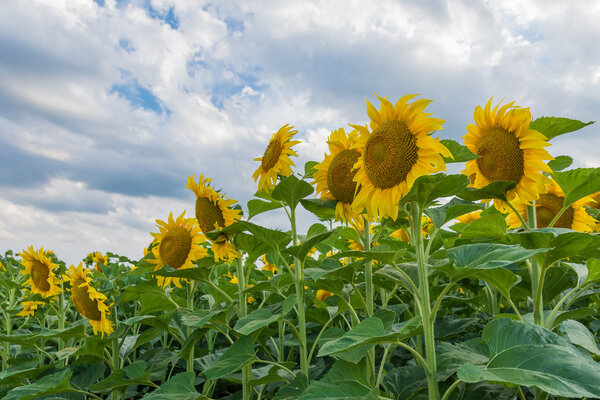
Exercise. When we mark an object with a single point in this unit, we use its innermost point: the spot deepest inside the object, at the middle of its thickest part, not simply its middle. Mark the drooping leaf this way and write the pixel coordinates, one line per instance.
(256, 206)
(324, 209)
(580, 335)
(48, 385)
(291, 190)
(489, 255)
(459, 151)
(449, 211)
(135, 373)
(254, 321)
(197, 318)
(572, 244)
(490, 226)
(560, 162)
(273, 238)
(495, 190)
(577, 183)
(15, 374)
(552, 127)
(235, 357)
(179, 387)
(309, 169)
(429, 188)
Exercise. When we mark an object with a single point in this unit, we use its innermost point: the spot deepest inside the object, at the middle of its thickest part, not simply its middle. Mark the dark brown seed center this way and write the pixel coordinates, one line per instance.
(39, 275)
(501, 158)
(81, 298)
(271, 155)
(175, 247)
(548, 205)
(340, 175)
(208, 214)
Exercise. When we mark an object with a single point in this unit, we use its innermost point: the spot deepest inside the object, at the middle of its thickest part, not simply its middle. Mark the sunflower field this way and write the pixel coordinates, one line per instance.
(411, 284)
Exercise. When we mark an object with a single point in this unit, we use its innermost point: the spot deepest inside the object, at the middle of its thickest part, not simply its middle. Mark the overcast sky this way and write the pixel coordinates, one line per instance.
(106, 107)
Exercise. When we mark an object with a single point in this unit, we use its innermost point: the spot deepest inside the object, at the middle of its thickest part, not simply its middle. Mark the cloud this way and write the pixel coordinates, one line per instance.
(106, 107)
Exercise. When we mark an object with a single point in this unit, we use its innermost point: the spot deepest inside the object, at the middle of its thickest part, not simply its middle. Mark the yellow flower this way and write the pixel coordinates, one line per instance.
(276, 160)
(233, 279)
(546, 208)
(323, 294)
(595, 205)
(469, 217)
(404, 233)
(250, 299)
(396, 151)
(213, 213)
(29, 307)
(97, 258)
(334, 175)
(179, 244)
(40, 270)
(89, 302)
(508, 150)
(268, 266)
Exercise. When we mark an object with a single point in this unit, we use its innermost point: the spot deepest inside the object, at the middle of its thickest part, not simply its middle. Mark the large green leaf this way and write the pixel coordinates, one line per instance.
(489, 226)
(429, 188)
(254, 321)
(459, 151)
(133, 374)
(48, 385)
(292, 390)
(572, 244)
(577, 183)
(250, 245)
(256, 207)
(235, 357)
(555, 369)
(301, 251)
(560, 162)
(555, 126)
(179, 387)
(15, 374)
(489, 255)
(593, 267)
(273, 238)
(346, 389)
(454, 208)
(197, 318)
(29, 339)
(343, 370)
(324, 209)
(495, 190)
(580, 335)
(291, 190)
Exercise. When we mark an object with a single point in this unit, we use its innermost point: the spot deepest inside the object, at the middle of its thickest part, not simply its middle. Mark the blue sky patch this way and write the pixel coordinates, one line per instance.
(166, 17)
(140, 96)
(234, 25)
(99, 2)
(221, 91)
(125, 45)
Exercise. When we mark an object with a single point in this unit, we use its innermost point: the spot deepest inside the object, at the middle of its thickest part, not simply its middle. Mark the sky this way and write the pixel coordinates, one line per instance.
(106, 107)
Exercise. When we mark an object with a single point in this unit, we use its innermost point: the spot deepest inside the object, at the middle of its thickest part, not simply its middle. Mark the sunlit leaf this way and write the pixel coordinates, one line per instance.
(459, 151)
(291, 190)
(555, 126)
(235, 357)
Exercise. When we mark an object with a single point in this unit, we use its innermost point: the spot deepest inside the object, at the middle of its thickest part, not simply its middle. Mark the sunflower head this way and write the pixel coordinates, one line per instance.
(469, 217)
(268, 266)
(98, 259)
(595, 205)
(396, 150)
(548, 205)
(40, 269)
(334, 176)
(178, 245)
(323, 294)
(276, 159)
(29, 307)
(508, 150)
(89, 302)
(214, 212)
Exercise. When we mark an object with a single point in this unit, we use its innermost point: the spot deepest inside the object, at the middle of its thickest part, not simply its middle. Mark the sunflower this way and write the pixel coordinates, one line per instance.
(40, 270)
(323, 294)
(97, 258)
(213, 213)
(396, 151)
(178, 245)
(403, 234)
(595, 205)
(268, 266)
(508, 151)
(469, 217)
(276, 160)
(334, 175)
(234, 279)
(546, 208)
(89, 302)
(29, 307)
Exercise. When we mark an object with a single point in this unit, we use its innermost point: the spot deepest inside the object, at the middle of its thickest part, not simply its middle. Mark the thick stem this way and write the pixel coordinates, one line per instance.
(246, 370)
(8, 329)
(115, 357)
(369, 298)
(537, 277)
(425, 301)
(299, 282)
(61, 321)
(190, 305)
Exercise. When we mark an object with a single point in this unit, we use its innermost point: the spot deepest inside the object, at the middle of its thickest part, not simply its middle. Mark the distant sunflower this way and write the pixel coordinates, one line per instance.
(323, 294)
(276, 160)
(40, 268)
(334, 175)
(546, 208)
(89, 302)
(29, 307)
(508, 151)
(268, 266)
(404, 233)
(594, 204)
(98, 259)
(178, 245)
(395, 152)
(213, 212)
(469, 217)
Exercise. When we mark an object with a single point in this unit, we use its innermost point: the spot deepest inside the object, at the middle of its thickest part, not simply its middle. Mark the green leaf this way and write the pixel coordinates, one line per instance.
(256, 207)
(301, 251)
(571, 244)
(254, 321)
(251, 245)
(560, 162)
(151, 320)
(273, 238)
(343, 370)
(460, 152)
(179, 387)
(197, 318)
(291, 190)
(292, 390)
(490, 226)
(391, 272)
(48, 385)
(577, 183)
(346, 389)
(15, 374)
(309, 169)
(324, 209)
(489, 255)
(429, 188)
(580, 335)
(133, 374)
(29, 339)
(235, 357)
(552, 127)
(449, 211)
(593, 267)
(495, 190)
(555, 369)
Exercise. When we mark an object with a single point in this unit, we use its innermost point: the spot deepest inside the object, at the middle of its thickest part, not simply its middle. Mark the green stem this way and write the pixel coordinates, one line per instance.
(299, 283)
(8, 328)
(557, 216)
(417, 357)
(518, 214)
(537, 275)
(243, 310)
(439, 299)
(61, 321)
(277, 364)
(425, 301)
(450, 389)
(190, 305)
(115, 357)
(370, 300)
(381, 365)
